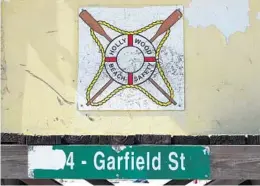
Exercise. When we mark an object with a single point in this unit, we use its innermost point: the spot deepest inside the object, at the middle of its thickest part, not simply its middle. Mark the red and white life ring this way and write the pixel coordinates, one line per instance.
(130, 59)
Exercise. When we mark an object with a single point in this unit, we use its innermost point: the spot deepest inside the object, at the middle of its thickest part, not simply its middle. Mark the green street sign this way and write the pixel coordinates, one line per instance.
(119, 162)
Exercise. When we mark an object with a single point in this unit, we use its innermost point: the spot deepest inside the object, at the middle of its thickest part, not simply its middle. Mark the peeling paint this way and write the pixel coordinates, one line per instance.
(118, 148)
(206, 151)
(44, 154)
(228, 16)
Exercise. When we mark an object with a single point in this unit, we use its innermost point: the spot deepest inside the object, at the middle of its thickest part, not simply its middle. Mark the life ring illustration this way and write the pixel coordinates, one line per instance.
(134, 48)
(123, 49)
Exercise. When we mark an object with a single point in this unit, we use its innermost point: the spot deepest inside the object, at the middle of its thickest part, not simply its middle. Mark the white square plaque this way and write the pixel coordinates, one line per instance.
(131, 58)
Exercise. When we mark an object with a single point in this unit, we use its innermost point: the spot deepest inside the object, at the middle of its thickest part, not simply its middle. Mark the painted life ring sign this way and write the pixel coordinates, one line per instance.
(130, 59)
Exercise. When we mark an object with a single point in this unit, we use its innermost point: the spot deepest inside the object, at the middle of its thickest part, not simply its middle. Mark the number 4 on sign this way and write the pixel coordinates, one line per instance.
(70, 161)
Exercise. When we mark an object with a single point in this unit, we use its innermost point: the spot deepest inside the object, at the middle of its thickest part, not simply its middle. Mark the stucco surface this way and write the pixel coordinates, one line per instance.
(40, 67)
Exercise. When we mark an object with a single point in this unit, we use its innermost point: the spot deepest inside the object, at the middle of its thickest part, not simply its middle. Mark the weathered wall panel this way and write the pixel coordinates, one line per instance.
(40, 66)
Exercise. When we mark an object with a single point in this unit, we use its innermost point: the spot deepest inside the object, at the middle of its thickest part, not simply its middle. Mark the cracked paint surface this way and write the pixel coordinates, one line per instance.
(221, 92)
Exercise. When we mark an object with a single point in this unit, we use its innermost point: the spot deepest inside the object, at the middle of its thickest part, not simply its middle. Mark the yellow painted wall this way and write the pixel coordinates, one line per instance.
(222, 80)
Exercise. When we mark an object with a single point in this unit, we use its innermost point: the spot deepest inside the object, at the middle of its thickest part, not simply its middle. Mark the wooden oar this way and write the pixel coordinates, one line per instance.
(100, 92)
(111, 81)
(162, 91)
(167, 23)
(92, 23)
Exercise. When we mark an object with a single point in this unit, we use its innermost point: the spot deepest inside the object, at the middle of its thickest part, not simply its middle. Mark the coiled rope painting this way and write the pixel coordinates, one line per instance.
(131, 58)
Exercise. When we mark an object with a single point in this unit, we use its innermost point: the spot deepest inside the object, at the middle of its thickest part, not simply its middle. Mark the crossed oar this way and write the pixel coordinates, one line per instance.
(166, 25)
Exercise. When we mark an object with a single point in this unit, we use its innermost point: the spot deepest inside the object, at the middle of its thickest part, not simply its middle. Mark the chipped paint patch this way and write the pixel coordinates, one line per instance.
(39, 158)
(206, 151)
(229, 16)
(118, 148)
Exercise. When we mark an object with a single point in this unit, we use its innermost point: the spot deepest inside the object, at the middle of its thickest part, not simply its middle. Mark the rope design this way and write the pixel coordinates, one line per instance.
(101, 67)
